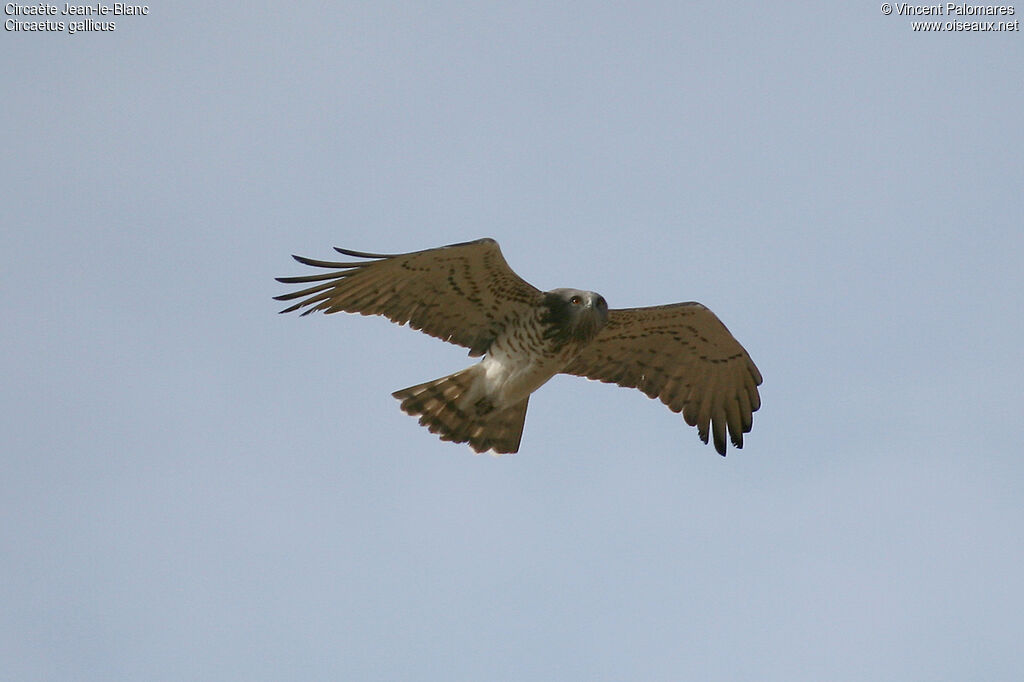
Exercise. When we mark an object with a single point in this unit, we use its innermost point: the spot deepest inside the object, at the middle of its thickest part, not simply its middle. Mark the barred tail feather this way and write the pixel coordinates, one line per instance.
(449, 407)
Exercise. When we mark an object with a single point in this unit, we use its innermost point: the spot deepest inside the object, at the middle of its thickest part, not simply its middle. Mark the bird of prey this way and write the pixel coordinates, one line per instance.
(467, 294)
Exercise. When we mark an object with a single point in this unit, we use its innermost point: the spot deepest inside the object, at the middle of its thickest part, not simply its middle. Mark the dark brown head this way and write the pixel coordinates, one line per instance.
(573, 315)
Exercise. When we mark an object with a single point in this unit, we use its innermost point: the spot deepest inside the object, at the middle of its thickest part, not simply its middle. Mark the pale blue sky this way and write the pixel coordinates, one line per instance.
(194, 487)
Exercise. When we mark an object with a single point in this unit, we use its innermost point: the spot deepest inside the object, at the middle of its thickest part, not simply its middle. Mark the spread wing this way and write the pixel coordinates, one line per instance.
(683, 355)
(464, 293)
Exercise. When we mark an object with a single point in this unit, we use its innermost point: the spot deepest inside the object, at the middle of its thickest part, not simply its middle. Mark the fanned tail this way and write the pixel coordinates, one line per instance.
(451, 408)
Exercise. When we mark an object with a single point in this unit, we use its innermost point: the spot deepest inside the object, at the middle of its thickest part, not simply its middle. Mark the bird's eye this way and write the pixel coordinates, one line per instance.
(576, 300)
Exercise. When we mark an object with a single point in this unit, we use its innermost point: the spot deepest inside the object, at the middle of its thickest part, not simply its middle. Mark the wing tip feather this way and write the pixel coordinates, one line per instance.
(364, 254)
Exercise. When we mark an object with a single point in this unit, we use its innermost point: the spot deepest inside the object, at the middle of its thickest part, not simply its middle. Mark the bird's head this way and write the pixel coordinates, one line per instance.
(574, 315)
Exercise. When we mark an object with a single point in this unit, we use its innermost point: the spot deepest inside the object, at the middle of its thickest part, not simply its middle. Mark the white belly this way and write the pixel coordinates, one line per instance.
(510, 377)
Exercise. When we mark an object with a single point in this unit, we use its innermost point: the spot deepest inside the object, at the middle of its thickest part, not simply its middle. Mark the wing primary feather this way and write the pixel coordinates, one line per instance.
(755, 398)
(302, 279)
(734, 416)
(305, 292)
(718, 429)
(704, 414)
(364, 254)
(690, 412)
(327, 263)
(745, 413)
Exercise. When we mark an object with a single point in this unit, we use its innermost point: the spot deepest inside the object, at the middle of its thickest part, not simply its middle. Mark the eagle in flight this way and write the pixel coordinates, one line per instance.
(468, 295)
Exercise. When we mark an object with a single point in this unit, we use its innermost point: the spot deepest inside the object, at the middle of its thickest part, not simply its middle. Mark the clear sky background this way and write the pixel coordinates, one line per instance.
(194, 487)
